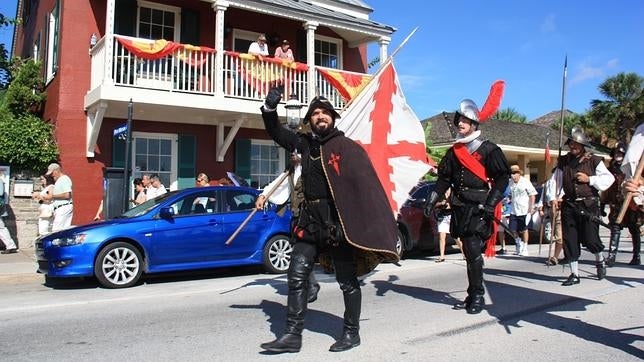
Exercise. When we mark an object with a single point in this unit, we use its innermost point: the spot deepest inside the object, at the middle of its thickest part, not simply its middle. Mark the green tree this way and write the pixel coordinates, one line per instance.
(5, 73)
(623, 108)
(510, 115)
(27, 142)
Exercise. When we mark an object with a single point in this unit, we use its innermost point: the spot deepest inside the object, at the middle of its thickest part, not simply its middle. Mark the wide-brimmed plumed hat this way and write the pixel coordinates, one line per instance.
(320, 102)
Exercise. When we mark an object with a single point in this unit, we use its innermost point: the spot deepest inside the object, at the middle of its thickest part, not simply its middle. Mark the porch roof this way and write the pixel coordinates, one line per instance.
(353, 29)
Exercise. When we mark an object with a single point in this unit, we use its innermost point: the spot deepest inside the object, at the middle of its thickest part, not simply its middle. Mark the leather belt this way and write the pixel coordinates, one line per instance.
(61, 205)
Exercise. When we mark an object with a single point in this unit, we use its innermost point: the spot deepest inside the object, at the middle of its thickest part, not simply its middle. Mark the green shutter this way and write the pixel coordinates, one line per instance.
(56, 16)
(242, 158)
(190, 27)
(125, 14)
(118, 152)
(187, 159)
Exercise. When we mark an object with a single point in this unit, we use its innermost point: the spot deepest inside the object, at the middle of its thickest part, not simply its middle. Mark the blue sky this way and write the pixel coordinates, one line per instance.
(462, 46)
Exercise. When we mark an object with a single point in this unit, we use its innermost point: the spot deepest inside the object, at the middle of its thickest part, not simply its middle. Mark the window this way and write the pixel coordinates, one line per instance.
(155, 153)
(266, 162)
(328, 52)
(158, 21)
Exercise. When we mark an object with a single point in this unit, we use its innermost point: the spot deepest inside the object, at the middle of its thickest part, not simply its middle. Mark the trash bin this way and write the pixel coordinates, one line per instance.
(113, 192)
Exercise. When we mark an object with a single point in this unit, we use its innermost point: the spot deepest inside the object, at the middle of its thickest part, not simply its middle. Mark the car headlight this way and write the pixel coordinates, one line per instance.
(76, 239)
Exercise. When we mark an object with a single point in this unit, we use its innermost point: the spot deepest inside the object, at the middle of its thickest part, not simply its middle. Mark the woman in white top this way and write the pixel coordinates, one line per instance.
(46, 209)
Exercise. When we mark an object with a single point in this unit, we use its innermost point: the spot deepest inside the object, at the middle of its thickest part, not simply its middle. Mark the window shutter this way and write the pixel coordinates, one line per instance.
(118, 152)
(187, 161)
(125, 14)
(57, 17)
(190, 27)
(242, 158)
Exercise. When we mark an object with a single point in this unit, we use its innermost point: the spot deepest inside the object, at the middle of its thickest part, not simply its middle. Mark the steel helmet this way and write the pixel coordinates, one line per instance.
(470, 110)
(577, 134)
(619, 147)
(467, 109)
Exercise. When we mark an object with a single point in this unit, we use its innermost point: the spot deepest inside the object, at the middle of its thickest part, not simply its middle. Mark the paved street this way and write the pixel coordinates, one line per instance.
(406, 314)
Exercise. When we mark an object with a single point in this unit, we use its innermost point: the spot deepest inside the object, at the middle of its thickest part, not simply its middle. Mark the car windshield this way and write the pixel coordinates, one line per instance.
(145, 207)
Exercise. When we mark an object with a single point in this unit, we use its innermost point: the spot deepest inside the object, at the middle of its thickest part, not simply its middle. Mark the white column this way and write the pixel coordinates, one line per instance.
(310, 27)
(383, 42)
(109, 42)
(220, 7)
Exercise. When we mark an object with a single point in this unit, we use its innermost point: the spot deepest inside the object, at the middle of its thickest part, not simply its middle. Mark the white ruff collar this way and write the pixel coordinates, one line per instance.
(467, 139)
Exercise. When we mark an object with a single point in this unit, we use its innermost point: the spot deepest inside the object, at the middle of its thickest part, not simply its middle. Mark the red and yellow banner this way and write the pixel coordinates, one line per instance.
(161, 48)
(260, 75)
(347, 84)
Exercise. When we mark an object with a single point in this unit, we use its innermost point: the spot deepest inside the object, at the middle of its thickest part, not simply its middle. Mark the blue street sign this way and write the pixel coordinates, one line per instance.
(120, 130)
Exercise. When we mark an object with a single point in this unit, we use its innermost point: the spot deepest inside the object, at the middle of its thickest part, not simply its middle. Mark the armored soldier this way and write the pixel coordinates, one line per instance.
(581, 175)
(478, 173)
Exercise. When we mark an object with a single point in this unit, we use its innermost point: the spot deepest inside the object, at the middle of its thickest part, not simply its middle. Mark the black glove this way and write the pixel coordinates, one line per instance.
(274, 97)
(432, 199)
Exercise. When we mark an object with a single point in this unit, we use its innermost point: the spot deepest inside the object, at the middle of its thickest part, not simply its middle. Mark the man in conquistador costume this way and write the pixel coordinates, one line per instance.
(614, 198)
(478, 173)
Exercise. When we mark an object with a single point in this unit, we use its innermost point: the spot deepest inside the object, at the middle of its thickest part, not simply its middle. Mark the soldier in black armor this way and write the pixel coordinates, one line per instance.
(478, 173)
(614, 198)
(582, 175)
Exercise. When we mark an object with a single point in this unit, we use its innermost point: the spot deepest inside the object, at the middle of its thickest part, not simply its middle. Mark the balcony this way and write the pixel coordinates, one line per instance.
(127, 65)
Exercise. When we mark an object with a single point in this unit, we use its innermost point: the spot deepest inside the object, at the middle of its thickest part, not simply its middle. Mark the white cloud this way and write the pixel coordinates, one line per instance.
(587, 71)
(549, 25)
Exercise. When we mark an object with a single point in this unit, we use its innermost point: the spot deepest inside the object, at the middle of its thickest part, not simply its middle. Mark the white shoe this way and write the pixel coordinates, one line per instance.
(524, 249)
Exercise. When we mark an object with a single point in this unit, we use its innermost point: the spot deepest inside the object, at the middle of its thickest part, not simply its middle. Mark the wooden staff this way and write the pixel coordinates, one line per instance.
(629, 196)
(280, 180)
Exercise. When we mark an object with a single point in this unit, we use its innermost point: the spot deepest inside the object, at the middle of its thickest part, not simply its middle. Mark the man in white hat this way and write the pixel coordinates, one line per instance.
(522, 196)
(61, 198)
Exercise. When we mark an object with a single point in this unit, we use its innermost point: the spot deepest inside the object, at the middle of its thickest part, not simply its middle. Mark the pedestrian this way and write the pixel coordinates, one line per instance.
(551, 216)
(522, 197)
(156, 187)
(581, 175)
(61, 198)
(5, 236)
(505, 217)
(444, 217)
(139, 192)
(478, 173)
(345, 213)
(46, 208)
(202, 180)
(633, 183)
(147, 184)
(290, 189)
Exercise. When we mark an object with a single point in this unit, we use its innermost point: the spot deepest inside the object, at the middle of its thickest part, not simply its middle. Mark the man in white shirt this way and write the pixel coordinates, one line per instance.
(61, 198)
(259, 47)
(522, 196)
(5, 236)
(156, 187)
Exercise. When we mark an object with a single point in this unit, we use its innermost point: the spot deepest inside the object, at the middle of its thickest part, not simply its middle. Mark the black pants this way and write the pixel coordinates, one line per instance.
(579, 230)
(463, 225)
(302, 261)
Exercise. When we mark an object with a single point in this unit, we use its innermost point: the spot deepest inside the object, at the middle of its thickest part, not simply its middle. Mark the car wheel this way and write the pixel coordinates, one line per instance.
(277, 254)
(118, 265)
(400, 244)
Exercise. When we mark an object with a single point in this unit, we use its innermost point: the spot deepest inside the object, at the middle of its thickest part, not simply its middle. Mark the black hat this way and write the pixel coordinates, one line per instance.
(320, 102)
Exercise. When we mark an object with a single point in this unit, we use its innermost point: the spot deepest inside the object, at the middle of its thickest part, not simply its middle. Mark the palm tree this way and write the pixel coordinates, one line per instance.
(619, 114)
(510, 115)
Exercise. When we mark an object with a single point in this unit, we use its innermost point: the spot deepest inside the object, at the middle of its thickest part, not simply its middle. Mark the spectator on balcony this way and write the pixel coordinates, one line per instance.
(284, 51)
(259, 47)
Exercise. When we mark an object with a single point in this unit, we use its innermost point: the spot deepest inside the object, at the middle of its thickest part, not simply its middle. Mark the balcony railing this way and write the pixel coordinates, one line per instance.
(192, 69)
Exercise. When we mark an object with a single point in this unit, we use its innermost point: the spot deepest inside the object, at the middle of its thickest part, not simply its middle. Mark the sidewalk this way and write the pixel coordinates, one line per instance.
(22, 262)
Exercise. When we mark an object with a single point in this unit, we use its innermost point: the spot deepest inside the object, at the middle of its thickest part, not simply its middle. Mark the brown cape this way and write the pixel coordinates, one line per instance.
(361, 202)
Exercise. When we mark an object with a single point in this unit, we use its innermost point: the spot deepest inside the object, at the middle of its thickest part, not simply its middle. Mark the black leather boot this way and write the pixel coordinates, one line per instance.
(601, 270)
(476, 286)
(637, 244)
(291, 343)
(350, 337)
(615, 232)
(298, 274)
(314, 288)
(464, 304)
(572, 280)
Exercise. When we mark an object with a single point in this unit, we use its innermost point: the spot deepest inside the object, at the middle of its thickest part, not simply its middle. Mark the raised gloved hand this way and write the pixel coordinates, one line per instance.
(274, 97)
(432, 199)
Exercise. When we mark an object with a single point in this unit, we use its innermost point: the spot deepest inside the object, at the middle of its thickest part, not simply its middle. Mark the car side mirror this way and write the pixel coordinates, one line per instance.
(166, 212)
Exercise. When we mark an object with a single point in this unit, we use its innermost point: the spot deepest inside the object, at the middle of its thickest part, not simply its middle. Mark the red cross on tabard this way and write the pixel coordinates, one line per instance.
(378, 150)
(334, 161)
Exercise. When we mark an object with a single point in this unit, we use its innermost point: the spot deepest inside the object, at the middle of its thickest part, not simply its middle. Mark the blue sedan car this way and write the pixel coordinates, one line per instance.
(178, 231)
